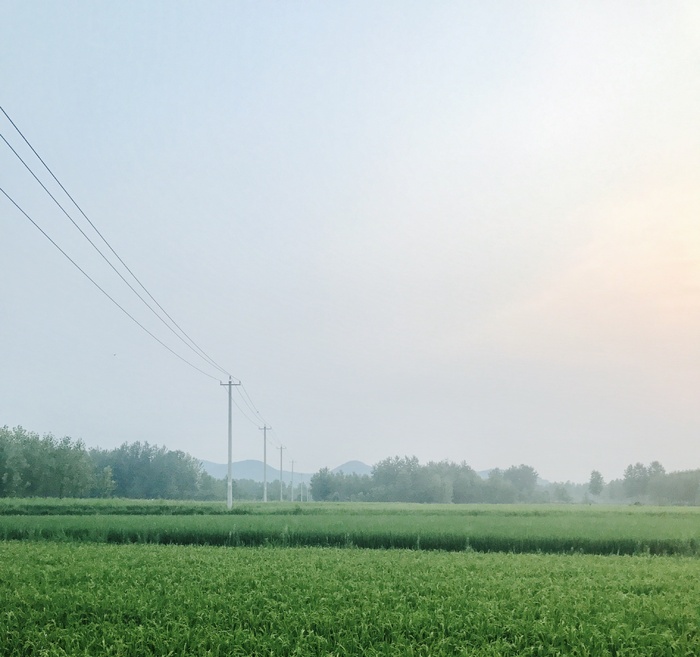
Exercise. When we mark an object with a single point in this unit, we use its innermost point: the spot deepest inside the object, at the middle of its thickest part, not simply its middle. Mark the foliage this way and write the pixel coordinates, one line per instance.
(523, 478)
(322, 485)
(68, 599)
(596, 483)
(140, 470)
(638, 478)
(560, 494)
(33, 465)
(45, 466)
(676, 488)
(404, 479)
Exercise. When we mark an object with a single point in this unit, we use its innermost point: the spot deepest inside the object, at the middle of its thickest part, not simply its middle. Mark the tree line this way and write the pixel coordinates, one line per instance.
(404, 479)
(45, 466)
(649, 484)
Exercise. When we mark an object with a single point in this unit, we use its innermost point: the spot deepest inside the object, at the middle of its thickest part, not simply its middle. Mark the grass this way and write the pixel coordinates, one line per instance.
(484, 528)
(121, 577)
(85, 599)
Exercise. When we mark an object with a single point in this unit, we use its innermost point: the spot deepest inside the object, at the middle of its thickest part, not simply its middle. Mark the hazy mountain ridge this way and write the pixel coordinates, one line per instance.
(254, 469)
(353, 467)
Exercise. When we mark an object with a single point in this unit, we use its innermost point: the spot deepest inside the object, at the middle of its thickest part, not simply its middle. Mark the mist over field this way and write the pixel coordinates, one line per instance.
(460, 231)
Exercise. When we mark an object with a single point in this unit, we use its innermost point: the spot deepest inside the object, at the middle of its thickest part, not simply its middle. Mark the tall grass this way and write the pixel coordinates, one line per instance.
(483, 529)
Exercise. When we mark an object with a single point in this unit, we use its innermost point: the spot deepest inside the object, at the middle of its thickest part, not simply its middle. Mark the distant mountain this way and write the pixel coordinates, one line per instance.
(253, 469)
(353, 467)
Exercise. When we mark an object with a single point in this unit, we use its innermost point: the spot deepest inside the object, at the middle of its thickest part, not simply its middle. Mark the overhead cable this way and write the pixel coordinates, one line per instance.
(192, 344)
(104, 257)
(187, 340)
(249, 403)
(116, 303)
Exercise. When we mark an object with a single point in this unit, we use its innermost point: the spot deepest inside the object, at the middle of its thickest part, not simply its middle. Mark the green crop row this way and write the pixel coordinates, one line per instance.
(70, 599)
(604, 533)
(39, 506)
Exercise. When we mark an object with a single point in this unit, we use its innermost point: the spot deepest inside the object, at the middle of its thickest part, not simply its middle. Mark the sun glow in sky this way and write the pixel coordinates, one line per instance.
(456, 230)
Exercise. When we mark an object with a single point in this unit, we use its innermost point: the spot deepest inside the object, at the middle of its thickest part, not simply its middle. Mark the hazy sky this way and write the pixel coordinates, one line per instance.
(455, 230)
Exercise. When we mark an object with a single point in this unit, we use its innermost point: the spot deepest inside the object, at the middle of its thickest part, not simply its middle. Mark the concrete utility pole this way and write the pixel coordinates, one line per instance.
(264, 429)
(229, 487)
(281, 447)
(291, 484)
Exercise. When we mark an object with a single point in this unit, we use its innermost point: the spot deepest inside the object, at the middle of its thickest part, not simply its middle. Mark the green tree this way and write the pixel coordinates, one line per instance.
(682, 488)
(211, 488)
(247, 489)
(561, 494)
(635, 480)
(523, 478)
(322, 485)
(596, 483)
(397, 479)
(499, 490)
(70, 469)
(144, 471)
(104, 484)
(12, 462)
(42, 466)
(467, 486)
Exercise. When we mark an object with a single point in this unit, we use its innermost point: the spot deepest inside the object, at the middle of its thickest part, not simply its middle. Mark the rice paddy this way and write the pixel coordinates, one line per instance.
(495, 528)
(124, 578)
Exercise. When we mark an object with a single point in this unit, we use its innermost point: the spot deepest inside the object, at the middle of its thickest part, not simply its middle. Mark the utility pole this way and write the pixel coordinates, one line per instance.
(281, 447)
(291, 484)
(229, 487)
(264, 429)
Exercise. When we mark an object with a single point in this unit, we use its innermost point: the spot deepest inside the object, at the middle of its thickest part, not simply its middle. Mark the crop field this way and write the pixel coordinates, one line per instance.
(120, 577)
(89, 599)
(498, 528)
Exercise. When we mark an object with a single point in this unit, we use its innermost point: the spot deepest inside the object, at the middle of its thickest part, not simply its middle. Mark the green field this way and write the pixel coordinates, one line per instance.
(118, 577)
(485, 528)
(70, 599)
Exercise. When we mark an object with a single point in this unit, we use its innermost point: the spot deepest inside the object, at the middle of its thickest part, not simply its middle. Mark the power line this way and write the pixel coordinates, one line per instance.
(84, 273)
(249, 403)
(187, 340)
(244, 414)
(250, 400)
(193, 345)
(273, 440)
(104, 257)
